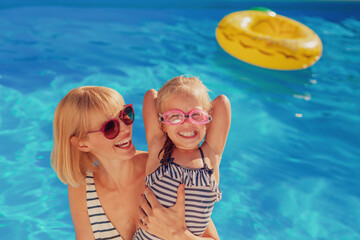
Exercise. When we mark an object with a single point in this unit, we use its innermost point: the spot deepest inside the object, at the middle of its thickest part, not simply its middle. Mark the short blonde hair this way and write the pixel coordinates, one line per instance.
(72, 118)
(188, 86)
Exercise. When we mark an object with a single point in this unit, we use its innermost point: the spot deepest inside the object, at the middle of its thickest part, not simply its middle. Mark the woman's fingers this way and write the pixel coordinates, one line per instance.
(142, 220)
(159, 220)
(144, 206)
(142, 225)
(141, 213)
(151, 198)
(148, 202)
(180, 200)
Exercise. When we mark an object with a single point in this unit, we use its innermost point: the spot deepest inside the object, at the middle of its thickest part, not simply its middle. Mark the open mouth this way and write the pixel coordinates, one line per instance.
(124, 143)
(188, 134)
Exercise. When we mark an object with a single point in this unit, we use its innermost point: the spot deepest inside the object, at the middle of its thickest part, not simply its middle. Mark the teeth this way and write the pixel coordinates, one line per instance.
(188, 134)
(124, 143)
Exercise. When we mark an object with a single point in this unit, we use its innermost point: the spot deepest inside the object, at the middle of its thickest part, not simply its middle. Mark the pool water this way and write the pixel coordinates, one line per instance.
(291, 165)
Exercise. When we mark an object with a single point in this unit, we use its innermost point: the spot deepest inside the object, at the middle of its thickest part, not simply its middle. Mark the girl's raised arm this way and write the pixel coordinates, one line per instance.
(218, 129)
(150, 116)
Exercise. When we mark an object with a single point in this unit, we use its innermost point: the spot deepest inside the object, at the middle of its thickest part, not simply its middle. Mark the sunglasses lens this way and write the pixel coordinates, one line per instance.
(128, 115)
(111, 129)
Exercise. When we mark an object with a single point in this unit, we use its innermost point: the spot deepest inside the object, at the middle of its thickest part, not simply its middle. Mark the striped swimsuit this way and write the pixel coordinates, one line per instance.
(101, 226)
(201, 192)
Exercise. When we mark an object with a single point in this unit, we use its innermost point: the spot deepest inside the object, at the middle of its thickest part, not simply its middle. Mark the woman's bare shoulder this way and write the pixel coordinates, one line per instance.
(77, 191)
(140, 152)
(79, 213)
(141, 155)
(77, 200)
(141, 159)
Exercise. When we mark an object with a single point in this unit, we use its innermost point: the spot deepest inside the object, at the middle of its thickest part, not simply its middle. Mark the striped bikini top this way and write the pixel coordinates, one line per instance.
(201, 193)
(100, 224)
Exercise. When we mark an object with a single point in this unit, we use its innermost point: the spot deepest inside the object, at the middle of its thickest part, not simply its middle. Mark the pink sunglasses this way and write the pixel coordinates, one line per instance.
(176, 117)
(111, 128)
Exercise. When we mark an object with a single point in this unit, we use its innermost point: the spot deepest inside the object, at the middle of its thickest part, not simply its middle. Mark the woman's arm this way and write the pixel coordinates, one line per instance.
(168, 223)
(210, 231)
(79, 214)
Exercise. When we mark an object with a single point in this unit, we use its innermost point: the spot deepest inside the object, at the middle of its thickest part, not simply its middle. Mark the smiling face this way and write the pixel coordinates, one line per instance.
(119, 148)
(187, 135)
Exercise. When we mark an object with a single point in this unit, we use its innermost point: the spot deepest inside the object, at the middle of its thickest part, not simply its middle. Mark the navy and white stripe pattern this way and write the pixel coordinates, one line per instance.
(201, 193)
(101, 226)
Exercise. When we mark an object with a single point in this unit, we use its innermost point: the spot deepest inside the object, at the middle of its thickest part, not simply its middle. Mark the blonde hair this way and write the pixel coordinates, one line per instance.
(72, 118)
(186, 86)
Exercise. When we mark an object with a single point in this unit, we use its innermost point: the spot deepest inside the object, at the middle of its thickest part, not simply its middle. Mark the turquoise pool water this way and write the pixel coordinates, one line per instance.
(291, 165)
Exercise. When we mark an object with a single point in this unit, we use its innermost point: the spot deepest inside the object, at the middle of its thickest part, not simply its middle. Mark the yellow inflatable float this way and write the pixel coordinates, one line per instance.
(269, 40)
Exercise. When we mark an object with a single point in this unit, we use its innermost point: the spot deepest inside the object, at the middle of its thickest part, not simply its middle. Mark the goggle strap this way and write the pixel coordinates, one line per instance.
(161, 118)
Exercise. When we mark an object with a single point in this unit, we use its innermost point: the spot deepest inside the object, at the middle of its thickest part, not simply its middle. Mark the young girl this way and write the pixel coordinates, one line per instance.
(177, 118)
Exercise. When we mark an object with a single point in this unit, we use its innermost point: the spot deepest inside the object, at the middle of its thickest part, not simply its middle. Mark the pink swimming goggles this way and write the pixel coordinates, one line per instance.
(176, 117)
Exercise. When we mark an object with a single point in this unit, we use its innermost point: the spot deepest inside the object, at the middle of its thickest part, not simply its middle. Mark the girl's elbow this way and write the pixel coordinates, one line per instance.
(223, 101)
(151, 93)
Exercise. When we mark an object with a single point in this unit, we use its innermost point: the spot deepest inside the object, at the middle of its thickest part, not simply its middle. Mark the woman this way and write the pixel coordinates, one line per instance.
(93, 154)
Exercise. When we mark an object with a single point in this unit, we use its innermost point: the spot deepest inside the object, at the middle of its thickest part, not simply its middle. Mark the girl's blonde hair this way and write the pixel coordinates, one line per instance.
(186, 86)
(72, 118)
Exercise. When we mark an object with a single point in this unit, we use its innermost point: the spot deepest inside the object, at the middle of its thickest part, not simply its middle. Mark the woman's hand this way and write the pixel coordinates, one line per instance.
(165, 223)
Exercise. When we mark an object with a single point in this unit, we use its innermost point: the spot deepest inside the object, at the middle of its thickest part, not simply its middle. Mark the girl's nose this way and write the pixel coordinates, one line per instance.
(187, 119)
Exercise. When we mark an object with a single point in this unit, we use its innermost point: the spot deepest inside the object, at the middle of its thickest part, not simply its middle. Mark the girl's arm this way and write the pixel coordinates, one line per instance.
(79, 214)
(155, 137)
(169, 223)
(151, 117)
(218, 129)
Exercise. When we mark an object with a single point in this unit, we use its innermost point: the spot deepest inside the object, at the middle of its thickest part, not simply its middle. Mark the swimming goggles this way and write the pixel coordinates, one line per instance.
(176, 117)
(111, 128)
